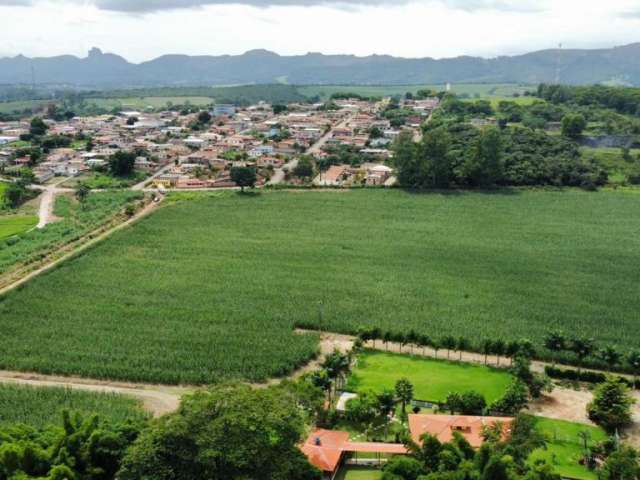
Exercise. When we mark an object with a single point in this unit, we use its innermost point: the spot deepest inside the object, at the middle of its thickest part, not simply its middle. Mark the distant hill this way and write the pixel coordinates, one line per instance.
(620, 65)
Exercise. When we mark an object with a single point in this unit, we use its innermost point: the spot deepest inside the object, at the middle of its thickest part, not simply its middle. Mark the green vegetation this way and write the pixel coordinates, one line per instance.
(39, 407)
(11, 225)
(613, 161)
(153, 103)
(76, 221)
(432, 380)
(475, 90)
(224, 304)
(565, 446)
(359, 473)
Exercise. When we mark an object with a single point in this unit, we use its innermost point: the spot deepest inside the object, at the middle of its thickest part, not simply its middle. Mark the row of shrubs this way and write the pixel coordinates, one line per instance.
(584, 376)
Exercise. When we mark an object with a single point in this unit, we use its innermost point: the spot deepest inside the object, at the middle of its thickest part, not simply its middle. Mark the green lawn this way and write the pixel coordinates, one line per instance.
(11, 225)
(565, 448)
(42, 406)
(359, 473)
(212, 288)
(432, 379)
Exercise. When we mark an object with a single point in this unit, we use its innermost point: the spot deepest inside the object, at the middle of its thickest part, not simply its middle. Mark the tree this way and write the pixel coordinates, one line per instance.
(463, 345)
(611, 356)
(82, 192)
(406, 162)
(487, 348)
(404, 392)
(132, 121)
(232, 431)
(435, 160)
(121, 163)
(623, 464)
(511, 350)
(573, 125)
(364, 408)
(582, 348)
(14, 194)
(513, 400)
(304, 168)
(243, 177)
(484, 167)
(38, 127)
(204, 118)
(386, 402)
(633, 361)
(467, 403)
(453, 403)
(449, 342)
(279, 108)
(386, 338)
(89, 145)
(402, 467)
(499, 347)
(611, 405)
(555, 342)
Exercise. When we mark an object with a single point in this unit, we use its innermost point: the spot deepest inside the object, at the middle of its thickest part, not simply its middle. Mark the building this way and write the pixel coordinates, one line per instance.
(224, 109)
(326, 450)
(443, 427)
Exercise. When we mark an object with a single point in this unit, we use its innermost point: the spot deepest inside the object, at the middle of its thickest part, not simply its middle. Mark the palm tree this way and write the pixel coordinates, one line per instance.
(633, 360)
(423, 342)
(511, 350)
(401, 339)
(463, 345)
(449, 343)
(487, 348)
(375, 334)
(386, 338)
(499, 347)
(555, 342)
(435, 344)
(585, 436)
(412, 338)
(611, 356)
(582, 348)
(404, 392)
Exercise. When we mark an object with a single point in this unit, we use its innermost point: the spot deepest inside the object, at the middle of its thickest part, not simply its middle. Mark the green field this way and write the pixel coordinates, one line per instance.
(565, 447)
(39, 407)
(212, 288)
(359, 473)
(611, 159)
(142, 103)
(11, 225)
(432, 380)
(471, 89)
(21, 105)
(74, 222)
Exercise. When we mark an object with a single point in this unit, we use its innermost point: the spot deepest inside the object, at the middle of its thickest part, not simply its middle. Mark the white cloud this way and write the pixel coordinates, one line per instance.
(411, 28)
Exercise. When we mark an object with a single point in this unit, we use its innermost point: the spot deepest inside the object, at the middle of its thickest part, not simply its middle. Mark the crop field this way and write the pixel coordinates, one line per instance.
(11, 225)
(432, 379)
(565, 447)
(75, 221)
(141, 103)
(39, 407)
(480, 90)
(211, 288)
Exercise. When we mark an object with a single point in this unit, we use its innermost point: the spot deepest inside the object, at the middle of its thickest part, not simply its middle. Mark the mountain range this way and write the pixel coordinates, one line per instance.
(619, 65)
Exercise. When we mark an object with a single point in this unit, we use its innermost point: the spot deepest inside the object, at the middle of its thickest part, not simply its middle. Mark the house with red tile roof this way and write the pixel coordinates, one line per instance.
(443, 427)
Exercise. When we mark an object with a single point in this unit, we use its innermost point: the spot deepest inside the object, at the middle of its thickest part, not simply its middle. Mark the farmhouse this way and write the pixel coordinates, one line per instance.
(443, 427)
(326, 449)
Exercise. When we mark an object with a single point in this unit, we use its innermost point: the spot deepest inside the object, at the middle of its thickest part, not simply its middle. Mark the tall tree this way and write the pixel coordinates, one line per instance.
(611, 405)
(404, 392)
(484, 168)
(555, 342)
(582, 348)
(244, 177)
(434, 159)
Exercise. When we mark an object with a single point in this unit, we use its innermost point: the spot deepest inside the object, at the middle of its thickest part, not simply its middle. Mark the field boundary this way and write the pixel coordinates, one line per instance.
(22, 275)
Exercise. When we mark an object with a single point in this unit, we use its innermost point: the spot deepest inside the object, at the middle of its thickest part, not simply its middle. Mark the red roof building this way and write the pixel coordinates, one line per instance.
(443, 426)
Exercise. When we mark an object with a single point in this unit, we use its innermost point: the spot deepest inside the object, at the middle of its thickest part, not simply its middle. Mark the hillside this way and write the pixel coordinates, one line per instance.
(98, 69)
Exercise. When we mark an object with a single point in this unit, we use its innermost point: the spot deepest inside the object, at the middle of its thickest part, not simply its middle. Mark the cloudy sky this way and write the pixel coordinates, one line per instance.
(143, 29)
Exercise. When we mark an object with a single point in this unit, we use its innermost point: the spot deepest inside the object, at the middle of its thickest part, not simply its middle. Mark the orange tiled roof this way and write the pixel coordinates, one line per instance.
(443, 426)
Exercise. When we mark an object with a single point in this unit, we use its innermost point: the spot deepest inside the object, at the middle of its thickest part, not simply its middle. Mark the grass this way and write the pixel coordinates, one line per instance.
(611, 159)
(11, 225)
(21, 105)
(75, 222)
(102, 181)
(479, 90)
(142, 103)
(211, 288)
(432, 379)
(565, 448)
(358, 473)
(39, 407)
